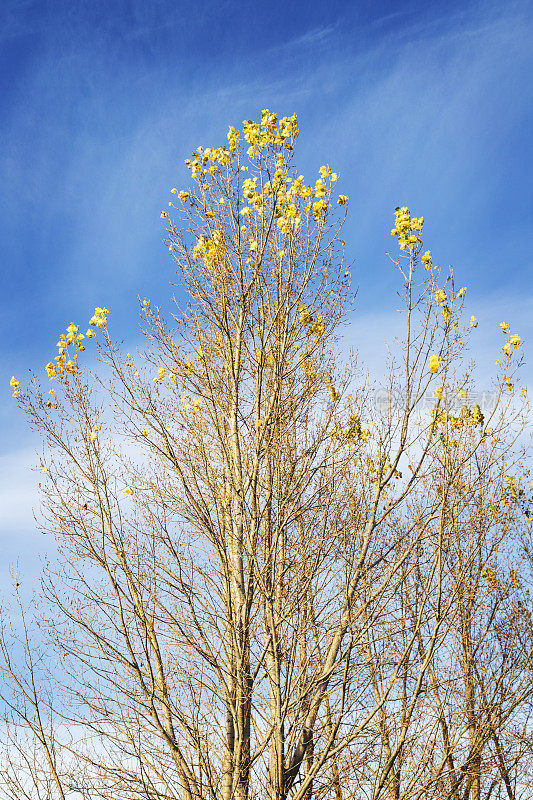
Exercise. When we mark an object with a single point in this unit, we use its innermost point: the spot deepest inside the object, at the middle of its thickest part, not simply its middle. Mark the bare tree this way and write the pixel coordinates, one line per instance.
(267, 585)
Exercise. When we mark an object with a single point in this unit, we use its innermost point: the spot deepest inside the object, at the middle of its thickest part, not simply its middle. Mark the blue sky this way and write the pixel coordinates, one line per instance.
(424, 103)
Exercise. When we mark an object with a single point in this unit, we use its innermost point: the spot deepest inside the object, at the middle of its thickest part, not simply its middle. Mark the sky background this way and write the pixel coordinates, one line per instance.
(421, 103)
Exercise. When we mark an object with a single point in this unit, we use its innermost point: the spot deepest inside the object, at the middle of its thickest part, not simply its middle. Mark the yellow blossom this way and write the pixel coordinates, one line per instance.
(319, 208)
(174, 191)
(477, 416)
(342, 200)
(320, 189)
(461, 393)
(163, 215)
(183, 195)
(473, 322)
(438, 392)
(15, 385)
(505, 327)
(71, 332)
(514, 341)
(426, 259)
(440, 296)
(145, 432)
(404, 227)
(434, 363)
(129, 491)
(99, 318)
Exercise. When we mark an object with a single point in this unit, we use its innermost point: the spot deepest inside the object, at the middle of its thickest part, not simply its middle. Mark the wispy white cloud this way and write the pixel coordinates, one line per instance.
(18, 493)
(306, 39)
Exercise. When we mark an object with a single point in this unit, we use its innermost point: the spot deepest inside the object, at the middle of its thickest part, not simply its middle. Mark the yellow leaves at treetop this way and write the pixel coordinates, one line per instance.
(273, 139)
(407, 228)
(267, 132)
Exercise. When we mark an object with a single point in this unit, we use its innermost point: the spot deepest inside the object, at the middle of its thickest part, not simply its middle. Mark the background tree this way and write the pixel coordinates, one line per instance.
(267, 586)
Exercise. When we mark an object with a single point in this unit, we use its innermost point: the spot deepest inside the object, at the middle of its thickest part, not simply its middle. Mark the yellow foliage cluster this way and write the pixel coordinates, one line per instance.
(193, 403)
(468, 418)
(314, 326)
(333, 393)
(281, 192)
(434, 363)
(308, 368)
(353, 433)
(65, 365)
(407, 229)
(15, 385)
(214, 255)
(513, 342)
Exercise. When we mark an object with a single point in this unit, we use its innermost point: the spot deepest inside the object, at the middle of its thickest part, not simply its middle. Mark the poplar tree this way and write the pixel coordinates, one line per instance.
(268, 585)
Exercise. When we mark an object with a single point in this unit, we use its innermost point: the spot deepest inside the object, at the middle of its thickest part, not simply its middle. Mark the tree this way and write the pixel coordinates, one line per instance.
(267, 586)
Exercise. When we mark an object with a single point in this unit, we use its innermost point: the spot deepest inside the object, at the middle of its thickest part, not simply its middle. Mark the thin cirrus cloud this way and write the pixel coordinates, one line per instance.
(307, 39)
